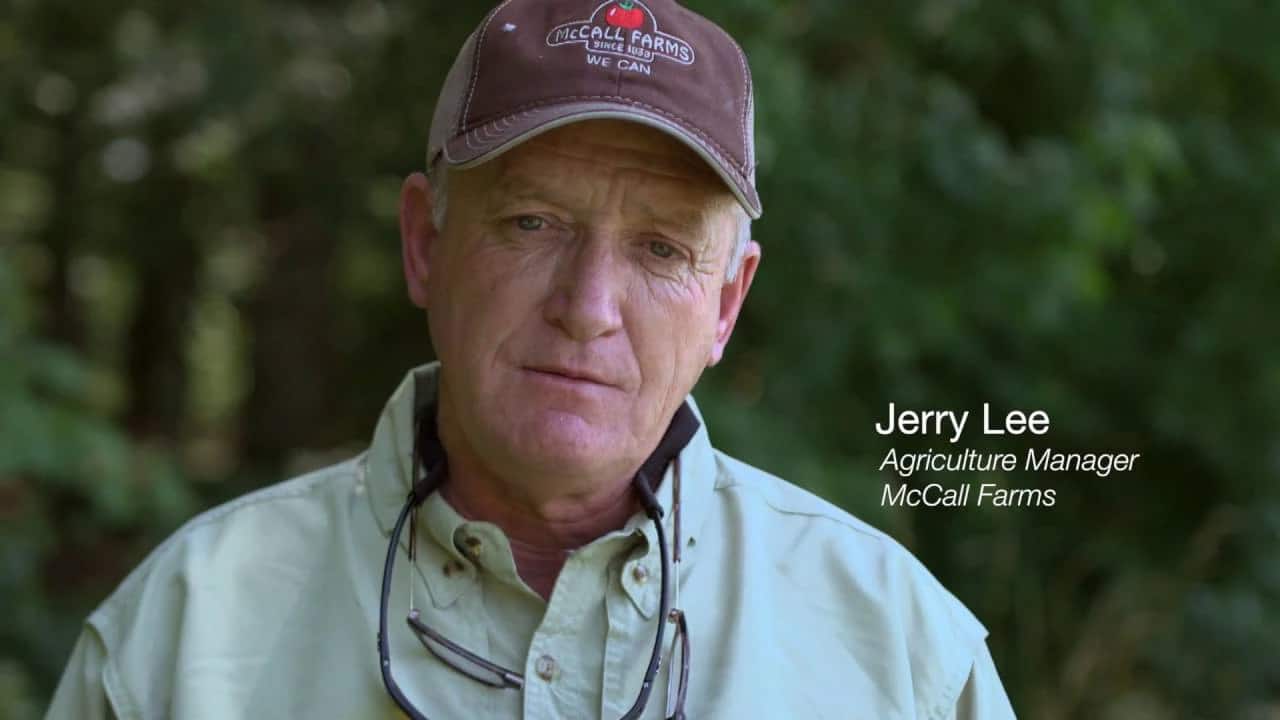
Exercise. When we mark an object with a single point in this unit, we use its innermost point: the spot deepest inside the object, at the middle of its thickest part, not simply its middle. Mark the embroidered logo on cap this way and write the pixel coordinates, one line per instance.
(622, 34)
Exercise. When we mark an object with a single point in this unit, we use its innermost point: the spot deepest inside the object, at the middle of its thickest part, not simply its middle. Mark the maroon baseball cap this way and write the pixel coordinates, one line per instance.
(534, 65)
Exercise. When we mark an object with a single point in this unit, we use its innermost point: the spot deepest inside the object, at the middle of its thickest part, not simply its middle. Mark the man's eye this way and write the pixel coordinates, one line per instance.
(661, 249)
(530, 222)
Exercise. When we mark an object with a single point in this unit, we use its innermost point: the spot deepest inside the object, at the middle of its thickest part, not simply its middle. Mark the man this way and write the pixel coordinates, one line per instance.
(541, 527)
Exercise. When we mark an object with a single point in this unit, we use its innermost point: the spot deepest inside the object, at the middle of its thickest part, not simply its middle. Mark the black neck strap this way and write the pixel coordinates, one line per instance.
(428, 452)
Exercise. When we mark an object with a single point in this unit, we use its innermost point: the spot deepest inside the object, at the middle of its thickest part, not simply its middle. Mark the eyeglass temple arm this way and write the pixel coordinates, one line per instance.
(510, 678)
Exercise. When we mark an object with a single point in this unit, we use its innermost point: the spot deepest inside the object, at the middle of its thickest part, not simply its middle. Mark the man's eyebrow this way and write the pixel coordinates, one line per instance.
(520, 187)
(687, 219)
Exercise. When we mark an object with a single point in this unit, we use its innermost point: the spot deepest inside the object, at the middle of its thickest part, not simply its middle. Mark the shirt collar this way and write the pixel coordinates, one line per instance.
(389, 467)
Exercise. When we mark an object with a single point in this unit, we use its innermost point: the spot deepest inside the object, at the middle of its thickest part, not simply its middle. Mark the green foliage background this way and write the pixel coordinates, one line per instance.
(1068, 205)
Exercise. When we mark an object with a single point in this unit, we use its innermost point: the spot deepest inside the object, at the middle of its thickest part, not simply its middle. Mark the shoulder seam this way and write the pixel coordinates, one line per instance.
(951, 693)
(306, 483)
(121, 701)
(731, 483)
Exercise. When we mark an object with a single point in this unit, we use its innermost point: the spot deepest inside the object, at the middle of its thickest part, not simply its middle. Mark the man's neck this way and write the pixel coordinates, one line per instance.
(544, 513)
(541, 536)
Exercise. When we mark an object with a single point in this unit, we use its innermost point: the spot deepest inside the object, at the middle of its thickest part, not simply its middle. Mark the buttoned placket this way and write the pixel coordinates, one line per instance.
(569, 641)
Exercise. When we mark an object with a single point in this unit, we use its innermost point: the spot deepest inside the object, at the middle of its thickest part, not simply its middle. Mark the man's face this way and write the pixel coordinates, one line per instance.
(575, 295)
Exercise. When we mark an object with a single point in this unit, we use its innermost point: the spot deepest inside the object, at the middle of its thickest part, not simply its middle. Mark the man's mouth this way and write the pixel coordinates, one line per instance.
(570, 374)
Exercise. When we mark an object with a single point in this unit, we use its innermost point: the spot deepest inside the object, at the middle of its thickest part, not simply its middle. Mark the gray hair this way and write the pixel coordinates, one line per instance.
(439, 176)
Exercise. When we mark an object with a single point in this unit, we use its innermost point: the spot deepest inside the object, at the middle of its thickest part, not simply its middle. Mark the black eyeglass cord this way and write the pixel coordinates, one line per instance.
(653, 509)
(416, 496)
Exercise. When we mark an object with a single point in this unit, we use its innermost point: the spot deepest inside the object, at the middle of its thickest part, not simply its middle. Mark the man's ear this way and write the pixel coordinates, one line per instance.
(732, 295)
(418, 234)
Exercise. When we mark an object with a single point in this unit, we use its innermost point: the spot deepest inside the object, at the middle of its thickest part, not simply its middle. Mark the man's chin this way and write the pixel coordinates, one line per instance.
(567, 445)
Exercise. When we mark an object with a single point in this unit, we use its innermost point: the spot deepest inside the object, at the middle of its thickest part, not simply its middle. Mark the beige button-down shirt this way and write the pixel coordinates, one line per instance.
(267, 607)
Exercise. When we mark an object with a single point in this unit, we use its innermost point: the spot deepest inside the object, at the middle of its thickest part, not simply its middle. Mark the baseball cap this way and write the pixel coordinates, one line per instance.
(534, 65)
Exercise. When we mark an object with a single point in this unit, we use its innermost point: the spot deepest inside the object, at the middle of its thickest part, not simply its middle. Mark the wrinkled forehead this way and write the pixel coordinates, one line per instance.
(626, 143)
(587, 148)
(574, 166)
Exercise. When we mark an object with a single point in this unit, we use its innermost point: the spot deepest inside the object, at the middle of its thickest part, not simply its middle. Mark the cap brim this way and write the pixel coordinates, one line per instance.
(491, 139)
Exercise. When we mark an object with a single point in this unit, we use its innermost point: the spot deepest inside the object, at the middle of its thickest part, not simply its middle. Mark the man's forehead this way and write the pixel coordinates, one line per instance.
(614, 143)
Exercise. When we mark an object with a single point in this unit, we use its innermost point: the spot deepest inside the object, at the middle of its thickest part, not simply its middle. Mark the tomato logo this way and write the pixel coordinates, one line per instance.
(624, 14)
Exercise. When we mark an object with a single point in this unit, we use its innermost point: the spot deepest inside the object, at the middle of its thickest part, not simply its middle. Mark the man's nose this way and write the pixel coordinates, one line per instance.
(589, 285)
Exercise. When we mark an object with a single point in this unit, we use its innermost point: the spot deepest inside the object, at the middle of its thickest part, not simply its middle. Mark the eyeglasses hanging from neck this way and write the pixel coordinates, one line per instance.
(430, 462)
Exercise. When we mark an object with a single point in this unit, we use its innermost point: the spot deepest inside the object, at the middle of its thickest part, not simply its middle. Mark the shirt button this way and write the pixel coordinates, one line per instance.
(474, 546)
(545, 667)
(639, 573)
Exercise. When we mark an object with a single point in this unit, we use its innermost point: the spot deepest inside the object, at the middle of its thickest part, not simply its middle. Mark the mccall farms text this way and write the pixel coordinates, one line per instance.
(950, 426)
